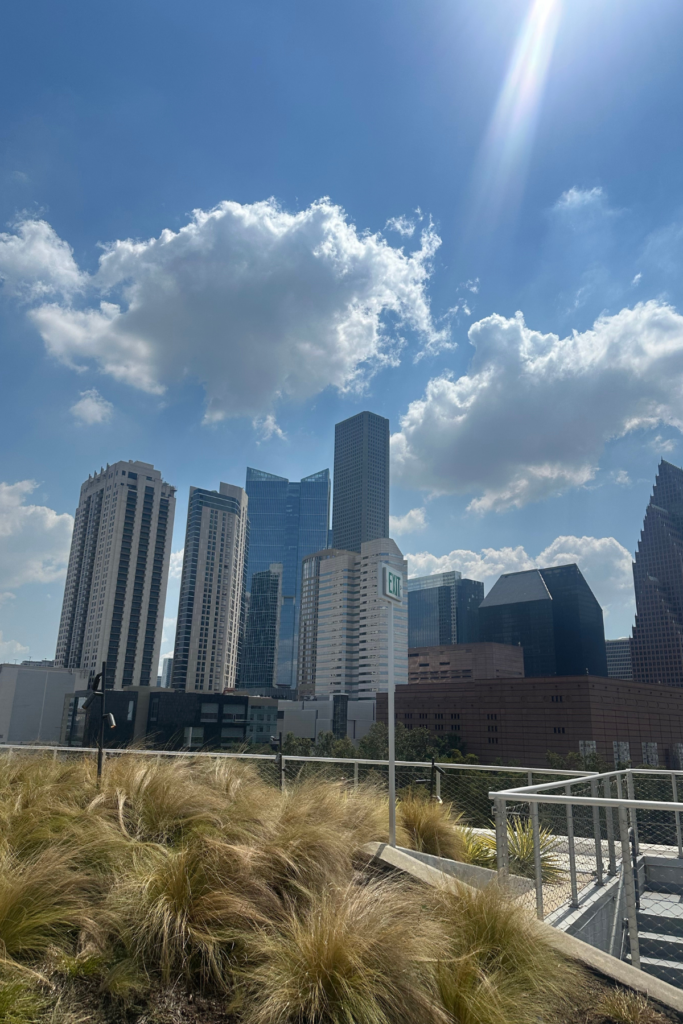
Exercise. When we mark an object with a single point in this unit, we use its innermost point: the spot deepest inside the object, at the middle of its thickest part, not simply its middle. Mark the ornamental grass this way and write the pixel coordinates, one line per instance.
(193, 881)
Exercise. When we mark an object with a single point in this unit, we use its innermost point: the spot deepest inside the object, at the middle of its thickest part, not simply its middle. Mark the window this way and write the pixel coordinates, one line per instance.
(194, 736)
(493, 739)
(209, 713)
(154, 709)
(587, 747)
(131, 709)
(558, 728)
(455, 714)
(492, 718)
(438, 715)
(423, 714)
(493, 728)
(557, 699)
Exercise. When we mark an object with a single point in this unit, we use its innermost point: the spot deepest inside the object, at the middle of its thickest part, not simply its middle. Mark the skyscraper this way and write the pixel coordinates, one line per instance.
(555, 617)
(657, 648)
(353, 623)
(258, 668)
(309, 617)
(619, 661)
(442, 609)
(207, 643)
(288, 521)
(360, 511)
(116, 581)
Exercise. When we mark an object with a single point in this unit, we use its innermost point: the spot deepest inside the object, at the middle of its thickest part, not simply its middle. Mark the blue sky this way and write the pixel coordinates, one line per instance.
(479, 159)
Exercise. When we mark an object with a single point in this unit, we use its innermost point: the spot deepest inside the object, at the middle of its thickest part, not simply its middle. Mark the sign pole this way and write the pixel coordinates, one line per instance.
(392, 729)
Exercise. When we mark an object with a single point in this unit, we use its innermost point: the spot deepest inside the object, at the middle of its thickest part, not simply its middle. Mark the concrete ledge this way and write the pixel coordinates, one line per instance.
(594, 959)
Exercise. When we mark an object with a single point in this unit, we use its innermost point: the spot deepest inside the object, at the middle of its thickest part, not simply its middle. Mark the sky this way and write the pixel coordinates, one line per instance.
(226, 227)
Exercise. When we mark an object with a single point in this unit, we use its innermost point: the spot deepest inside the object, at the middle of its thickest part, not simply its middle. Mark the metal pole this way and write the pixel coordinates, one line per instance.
(502, 858)
(597, 832)
(538, 867)
(100, 744)
(629, 889)
(572, 852)
(355, 774)
(392, 730)
(679, 837)
(632, 811)
(438, 787)
(607, 788)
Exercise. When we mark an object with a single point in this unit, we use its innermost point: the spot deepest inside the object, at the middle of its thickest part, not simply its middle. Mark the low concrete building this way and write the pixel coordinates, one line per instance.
(516, 722)
(307, 719)
(465, 661)
(32, 701)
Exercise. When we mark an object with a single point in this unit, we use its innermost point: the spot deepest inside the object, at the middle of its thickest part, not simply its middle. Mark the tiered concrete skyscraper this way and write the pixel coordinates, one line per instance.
(210, 610)
(360, 509)
(657, 647)
(118, 572)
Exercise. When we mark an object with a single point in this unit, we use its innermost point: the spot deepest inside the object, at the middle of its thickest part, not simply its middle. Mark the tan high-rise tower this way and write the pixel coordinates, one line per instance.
(116, 582)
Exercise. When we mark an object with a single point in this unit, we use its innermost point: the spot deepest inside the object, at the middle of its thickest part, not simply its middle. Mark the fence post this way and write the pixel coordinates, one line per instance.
(538, 867)
(609, 820)
(597, 831)
(679, 838)
(630, 789)
(500, 812)
(282, 772)
(629, 889)
(355, 774)
(437, 787)
(571, 850)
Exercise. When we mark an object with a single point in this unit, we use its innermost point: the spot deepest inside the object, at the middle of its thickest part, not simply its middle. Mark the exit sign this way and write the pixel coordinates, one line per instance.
(392, 584)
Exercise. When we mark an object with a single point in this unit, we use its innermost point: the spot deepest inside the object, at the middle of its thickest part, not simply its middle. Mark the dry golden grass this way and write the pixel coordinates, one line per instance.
(625, 1007)
(196, 876)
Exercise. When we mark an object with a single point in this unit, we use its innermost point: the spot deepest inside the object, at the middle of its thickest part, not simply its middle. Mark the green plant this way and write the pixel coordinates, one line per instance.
(354, 954)
(20, 1003)
(520, 836)
(498, 966)
(624, 1007)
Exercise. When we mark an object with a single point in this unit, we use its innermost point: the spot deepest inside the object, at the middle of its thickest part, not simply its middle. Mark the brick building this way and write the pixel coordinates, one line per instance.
(517, 721)
(454, 662)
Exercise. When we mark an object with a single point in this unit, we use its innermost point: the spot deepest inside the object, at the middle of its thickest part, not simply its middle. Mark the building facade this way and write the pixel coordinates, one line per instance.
(309, 618)
(117, 576)
(619, 663)
(455, 662)
(341, 716)
(32, 701)
(657, 647)
(259, 663)
(207, 644)
(288, 520)
(360, 511)
(353, 623)
(443, 609)
(553, 615)
(518, 721)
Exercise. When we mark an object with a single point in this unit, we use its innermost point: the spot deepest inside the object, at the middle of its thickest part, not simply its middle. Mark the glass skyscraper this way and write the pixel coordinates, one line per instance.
(361, 481)
(442, 609)
(258, 669)
(288, 520)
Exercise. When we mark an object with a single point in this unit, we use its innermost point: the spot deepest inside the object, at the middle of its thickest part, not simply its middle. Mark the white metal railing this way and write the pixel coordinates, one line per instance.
(628, 808)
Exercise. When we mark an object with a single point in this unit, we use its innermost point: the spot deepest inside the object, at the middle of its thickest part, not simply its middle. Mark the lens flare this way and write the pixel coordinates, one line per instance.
(502, 163)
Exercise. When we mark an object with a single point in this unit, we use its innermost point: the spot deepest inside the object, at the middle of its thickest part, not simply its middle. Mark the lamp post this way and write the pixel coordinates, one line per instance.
(390, 591)
(98, 690)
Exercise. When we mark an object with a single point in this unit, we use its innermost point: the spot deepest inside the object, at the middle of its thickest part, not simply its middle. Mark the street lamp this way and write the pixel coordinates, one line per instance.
(98, 688)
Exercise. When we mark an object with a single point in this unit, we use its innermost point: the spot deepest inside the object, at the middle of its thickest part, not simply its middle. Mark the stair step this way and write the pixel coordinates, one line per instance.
(661, 947)
(662, 924)
(666, 970)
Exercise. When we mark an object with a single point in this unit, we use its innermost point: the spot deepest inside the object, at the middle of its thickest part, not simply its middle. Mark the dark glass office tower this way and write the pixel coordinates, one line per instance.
(553, 614)
(361, 481)
(657, 647)
(288, 520)
(259, 663)
(443, 609)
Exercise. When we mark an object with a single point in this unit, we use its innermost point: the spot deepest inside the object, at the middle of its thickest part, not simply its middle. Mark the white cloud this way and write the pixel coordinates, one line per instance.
(92, 408)
(604, 562)
(255, 303)
(663, 446)
(34, 540)
(621, 477)
(268, 427)
(637, 279)
(11, 650)
(7, 595)
(402, 224)
(409, 523)
(176, 569)
(578, 198)
(35, 263)
(534, 413)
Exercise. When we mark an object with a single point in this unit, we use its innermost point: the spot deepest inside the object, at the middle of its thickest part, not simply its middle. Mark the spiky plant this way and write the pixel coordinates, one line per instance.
(431, 827)
(520, 837)
(624, 1007)
(498, 967)
(352, 954)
